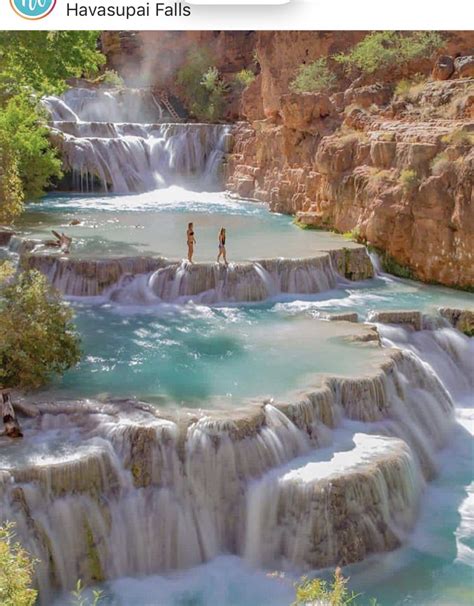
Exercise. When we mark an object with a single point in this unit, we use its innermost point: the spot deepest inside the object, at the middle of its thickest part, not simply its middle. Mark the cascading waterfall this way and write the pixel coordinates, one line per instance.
(105, 141)
(138, 280)
(140, 494)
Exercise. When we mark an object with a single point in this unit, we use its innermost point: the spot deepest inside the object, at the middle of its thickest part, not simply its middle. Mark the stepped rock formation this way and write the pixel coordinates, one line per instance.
(121, 141)
(147, 279)
(120, 473)
(396, 169)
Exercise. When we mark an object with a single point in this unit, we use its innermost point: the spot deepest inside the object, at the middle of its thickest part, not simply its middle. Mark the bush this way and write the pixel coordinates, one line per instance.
(38, 339)
(313, 77)
(317, 592)
(440, 164)
(409, 179)
(11, 192)
(459, 137)
(111, 77)
(16, 571)
(409, 89)
(23, 125)
(203, 88)
(244, 78)
(381, 50)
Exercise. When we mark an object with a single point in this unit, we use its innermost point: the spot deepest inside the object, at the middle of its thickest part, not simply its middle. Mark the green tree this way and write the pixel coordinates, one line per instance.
(42, 61)
(313, 77)
(11, 192)
(382, 50)
(23, 126)
(16, 571)
(203, 88)
(37, 338)
(32, 64)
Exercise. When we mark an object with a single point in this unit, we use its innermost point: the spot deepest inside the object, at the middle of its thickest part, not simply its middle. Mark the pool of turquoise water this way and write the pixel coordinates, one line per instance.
(199, 356)
(155, 223)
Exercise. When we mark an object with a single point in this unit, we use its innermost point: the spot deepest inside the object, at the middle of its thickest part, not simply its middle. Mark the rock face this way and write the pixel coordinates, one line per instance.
(462, 319)
(395, 167)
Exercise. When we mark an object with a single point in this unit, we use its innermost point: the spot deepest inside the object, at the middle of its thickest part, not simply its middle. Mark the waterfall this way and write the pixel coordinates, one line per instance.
(295, 482)
(141, 280)
(106, 143)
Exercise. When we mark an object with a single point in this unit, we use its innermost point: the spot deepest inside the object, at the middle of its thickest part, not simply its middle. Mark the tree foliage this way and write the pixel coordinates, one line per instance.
(382, 50)
(203, 88)
(16, 571)
(11, 192)
(32, 64)
(23, 126)
(244, 78)
(42, 61)
(37, 338)
(313, 77)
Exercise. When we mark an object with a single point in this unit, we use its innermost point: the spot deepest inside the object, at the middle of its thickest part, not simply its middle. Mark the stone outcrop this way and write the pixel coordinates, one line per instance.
(461, 319)
(393, 166)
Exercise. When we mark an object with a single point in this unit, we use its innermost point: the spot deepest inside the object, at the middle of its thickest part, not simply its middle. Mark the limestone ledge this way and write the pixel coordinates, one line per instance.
(138, 429)
(241, 281)
(461, 319)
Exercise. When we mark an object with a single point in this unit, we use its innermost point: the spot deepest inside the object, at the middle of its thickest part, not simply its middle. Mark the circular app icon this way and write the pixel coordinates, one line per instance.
(33, 9)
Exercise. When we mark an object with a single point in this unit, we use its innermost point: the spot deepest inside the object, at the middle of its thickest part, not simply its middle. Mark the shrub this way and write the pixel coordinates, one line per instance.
(244, 78)
(203, 88)
(112, 78)
(23, 125)
(380, 50)
(79, 599)
(459, 137)
(16, 571)
(216, 89)
(11, 192)
(353, 234)
(440, 164)
(38, 339)
(319, 592)
(409, 89)
(313, 77)
(409, 179)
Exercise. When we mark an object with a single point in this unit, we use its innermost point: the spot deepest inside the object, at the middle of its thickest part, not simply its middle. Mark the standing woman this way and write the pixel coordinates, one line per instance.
(191, 241)
(222, 250)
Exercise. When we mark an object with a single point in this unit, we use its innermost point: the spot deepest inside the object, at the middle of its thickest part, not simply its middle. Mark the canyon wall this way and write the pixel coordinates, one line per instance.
(396, 169)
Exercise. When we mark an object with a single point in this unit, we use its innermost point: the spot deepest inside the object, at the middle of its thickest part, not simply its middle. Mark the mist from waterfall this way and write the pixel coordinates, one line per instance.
(118, 141)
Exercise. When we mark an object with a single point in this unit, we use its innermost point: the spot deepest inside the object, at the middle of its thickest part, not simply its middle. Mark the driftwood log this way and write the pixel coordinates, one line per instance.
(12, 427)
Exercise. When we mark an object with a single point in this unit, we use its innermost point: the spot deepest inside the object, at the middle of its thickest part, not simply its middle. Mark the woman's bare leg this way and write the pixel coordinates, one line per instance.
(190, 252)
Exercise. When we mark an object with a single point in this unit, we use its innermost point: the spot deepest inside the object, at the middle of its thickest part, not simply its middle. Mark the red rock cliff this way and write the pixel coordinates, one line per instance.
(396, 169)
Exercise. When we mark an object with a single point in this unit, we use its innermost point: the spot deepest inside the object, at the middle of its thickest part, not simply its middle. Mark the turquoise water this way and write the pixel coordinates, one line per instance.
(156, 223)
(197, 356)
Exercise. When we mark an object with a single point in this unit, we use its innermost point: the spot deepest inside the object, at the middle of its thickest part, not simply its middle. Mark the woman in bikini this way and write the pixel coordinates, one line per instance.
(191, 241)
(222, 250)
